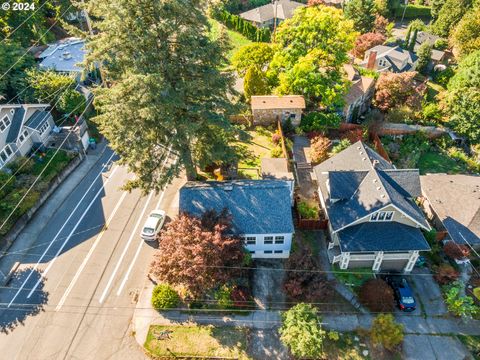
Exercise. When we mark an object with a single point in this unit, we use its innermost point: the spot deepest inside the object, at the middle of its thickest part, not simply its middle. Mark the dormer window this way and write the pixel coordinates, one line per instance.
(382, 216)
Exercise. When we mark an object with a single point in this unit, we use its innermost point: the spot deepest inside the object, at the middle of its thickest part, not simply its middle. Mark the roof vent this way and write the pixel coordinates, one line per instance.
(375, 163)
(379, 188)
(66, 55)
(374, 180)
(228, 187)
(361, 152)
(358, 147)
(383, 196)
(364, 159)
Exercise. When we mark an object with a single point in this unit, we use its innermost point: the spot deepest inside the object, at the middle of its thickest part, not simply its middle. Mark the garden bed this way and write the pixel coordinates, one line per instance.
(353, 278)
(197, 341)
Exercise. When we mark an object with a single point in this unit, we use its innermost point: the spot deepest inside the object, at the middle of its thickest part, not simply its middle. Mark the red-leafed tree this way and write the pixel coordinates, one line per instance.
(393, 90)
(446, 274)
(381, 24)
(198, 257)
(315, 2)
(365, 42)
(319, 148)
(377, 295)
(456, 251)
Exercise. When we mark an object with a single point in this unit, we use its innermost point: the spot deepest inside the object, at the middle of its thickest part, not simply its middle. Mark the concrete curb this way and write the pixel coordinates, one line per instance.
(24, 221)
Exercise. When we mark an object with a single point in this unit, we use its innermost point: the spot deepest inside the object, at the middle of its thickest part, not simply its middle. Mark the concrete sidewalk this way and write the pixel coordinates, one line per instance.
(46, 212)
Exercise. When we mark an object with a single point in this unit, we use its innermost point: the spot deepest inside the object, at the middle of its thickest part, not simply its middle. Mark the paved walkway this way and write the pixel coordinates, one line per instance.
(301, 146)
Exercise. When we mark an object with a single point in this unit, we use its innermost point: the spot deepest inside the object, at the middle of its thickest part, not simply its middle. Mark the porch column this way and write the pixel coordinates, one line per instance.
(411, 261)
(345, 260)
(378, 261)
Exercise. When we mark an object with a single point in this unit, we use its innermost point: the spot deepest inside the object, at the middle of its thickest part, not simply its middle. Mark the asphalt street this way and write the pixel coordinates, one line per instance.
(74, 293)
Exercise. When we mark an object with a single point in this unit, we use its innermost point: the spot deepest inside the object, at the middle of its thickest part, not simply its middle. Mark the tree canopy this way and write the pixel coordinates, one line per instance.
(367, 41)
(393, 90)
(47, 85)
(197, 256)
(465, 37)
(167, 90)
(13, 62)
(301, 331)
(362, 13)
(449, 16)
(255, 54)
(311, 49)
(255, 83)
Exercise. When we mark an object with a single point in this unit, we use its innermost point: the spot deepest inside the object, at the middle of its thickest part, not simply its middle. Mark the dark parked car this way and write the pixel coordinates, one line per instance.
(403, 293)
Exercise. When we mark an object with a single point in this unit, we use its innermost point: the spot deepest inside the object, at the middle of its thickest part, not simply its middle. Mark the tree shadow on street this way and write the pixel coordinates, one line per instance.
(23, 307)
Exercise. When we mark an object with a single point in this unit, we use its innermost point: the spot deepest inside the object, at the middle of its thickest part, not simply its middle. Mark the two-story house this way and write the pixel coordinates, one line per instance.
(261, 211)
(373, 220)
(384, 58)
(21, 128)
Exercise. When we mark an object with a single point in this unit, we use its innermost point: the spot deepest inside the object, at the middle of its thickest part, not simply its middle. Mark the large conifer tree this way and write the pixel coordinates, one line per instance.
(165, 87)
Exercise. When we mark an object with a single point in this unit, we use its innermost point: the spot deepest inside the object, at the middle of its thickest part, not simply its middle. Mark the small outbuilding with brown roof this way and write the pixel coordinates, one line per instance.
(270, 108)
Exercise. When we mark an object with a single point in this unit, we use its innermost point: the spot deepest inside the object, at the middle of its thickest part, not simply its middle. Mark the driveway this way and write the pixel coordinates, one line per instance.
(427, 292)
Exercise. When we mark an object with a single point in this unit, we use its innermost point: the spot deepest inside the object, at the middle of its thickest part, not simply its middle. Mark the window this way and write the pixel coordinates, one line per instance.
(252, 252)
(6, 153)
(251, 240)
(267, 251)
(279, 239)
(278, 251)
(23, 136)
(44, 127)
(268, 240)
(382, 216)
(4, 123)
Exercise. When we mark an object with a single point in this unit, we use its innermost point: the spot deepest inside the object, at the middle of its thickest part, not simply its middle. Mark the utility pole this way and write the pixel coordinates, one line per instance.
(275, 4)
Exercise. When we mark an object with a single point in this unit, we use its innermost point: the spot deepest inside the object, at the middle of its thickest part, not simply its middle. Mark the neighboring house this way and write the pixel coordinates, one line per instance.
(372, 216)
(438, 56)
(359, 97)
(260, 209)
(270, 108)
(22, 127)
(263, 16)
(452, 202)
(389, 58)
(65, 56)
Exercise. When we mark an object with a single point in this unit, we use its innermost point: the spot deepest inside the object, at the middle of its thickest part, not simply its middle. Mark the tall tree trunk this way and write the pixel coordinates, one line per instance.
(190, 167)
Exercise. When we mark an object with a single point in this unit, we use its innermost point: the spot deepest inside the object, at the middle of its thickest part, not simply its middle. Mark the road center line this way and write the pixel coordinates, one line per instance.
(89, 254)
(61, 229)
(71, 234)
(117, 266)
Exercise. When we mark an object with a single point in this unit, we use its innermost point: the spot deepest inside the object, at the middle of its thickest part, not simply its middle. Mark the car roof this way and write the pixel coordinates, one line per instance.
(151, 221)
(405, 291)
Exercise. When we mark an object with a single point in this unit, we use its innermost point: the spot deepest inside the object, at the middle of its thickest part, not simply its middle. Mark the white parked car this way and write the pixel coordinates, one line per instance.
(153, 225)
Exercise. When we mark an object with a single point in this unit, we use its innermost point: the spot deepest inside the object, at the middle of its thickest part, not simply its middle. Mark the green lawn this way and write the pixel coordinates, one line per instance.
(435, 162)
(254, 145)
(353, 278)
(236, 40)
(433, 90)
(198, 341)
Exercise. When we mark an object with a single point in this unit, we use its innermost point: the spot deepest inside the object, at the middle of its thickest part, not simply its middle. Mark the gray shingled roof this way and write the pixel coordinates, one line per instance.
(16, 125)
(285, 10)
(365, 183)
(382, 236)
(37, 119)
(256, 206)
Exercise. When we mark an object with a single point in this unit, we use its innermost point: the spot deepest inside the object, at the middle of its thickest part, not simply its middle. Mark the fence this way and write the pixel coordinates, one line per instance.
(379, 146)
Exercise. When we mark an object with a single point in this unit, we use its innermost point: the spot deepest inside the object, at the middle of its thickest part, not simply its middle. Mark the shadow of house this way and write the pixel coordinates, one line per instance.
(16, 314)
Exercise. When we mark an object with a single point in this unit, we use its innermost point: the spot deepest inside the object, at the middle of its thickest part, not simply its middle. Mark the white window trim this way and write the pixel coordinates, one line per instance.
(4, 151)
(375, 217)
(6, 122)
(25, 135)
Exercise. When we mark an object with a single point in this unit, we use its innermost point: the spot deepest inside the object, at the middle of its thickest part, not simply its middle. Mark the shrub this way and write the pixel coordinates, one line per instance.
(456, 251)
(276, 152)
(342, 145)
(319, 149)
(306, 211)
(223, 295)
(443, 77)
(386, 332)
(440, 44)
(164, 297)
(22, 165)
(276, 137)
(377, 295)
(320, 121)
(240, 296)
(458, 304)
(432, 112)
(446, 274)
(333, 335)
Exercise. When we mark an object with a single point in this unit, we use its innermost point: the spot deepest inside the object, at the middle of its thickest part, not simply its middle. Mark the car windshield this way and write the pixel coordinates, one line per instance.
(158, 216)
(408, 300)
(148, 230)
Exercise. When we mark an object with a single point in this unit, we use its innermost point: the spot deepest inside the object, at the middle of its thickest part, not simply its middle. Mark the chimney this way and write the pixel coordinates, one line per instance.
(372, 57)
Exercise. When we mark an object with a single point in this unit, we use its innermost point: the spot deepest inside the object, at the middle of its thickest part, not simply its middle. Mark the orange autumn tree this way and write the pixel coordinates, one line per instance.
(196, 254)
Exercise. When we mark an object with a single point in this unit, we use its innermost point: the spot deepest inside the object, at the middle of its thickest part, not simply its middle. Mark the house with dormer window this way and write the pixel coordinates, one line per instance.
(21, 128)
(373, 220)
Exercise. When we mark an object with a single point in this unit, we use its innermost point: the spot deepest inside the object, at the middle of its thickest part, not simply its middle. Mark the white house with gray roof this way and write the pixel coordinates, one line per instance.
(260, 209)
(389, 58)
(263, 16)
(373, 218)
(22, 127)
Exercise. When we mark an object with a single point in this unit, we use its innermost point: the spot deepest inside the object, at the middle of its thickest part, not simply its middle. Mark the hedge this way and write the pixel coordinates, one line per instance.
(236, 23)
(414, 11)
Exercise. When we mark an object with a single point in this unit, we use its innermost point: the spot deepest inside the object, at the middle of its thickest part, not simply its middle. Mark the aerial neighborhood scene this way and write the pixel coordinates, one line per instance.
(240, 179)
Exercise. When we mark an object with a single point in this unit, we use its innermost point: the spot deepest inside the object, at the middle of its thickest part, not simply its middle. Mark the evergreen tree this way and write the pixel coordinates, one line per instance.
(362, 13)
(407, 38)
(411, 44)
(254, 83)
(424, 56)
(167, 90)
(449, 16)
(436, 7)
(13, 62)
(465, 37)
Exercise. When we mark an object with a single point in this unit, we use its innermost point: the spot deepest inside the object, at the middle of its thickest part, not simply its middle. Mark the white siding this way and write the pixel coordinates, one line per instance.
(269, 251)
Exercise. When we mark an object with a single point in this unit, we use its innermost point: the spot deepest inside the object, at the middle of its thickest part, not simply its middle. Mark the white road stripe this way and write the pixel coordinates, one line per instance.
(90, 252)
(135, 257)
(61, 229)
(71, 233)
(117, 266)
